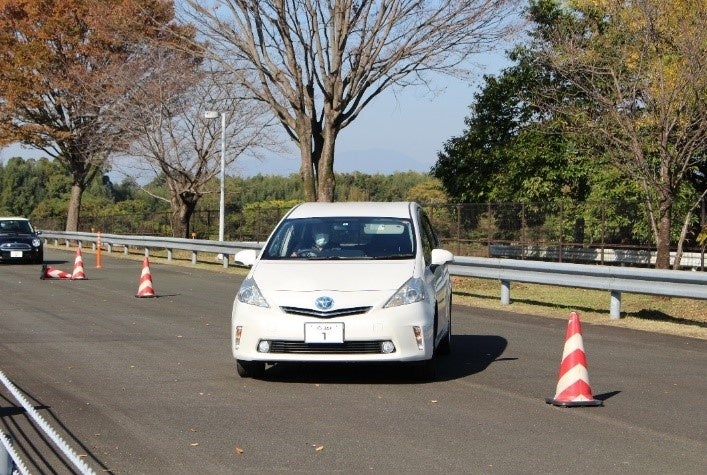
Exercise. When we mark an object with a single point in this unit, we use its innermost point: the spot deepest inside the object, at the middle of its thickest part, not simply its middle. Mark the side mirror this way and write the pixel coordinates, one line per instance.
(245, 257)
(441, 256)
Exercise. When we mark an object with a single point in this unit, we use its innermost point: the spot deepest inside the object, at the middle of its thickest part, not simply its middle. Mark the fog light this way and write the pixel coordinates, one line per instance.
(418, 337)
(387, 347)
(237, 337)
(264, 346)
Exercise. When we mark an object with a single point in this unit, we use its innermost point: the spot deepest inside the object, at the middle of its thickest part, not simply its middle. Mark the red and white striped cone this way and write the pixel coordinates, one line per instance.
(145, 289)
(573, 380)
(51, 273)
(78, 266)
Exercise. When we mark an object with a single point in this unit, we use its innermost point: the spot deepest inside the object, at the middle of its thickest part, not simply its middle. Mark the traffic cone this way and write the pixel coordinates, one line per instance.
(51, 273)
(145, 289)
(78, 266)
(573, 384)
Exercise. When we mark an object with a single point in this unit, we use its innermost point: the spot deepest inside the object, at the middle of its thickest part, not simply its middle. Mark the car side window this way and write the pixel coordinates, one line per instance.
(428, 237)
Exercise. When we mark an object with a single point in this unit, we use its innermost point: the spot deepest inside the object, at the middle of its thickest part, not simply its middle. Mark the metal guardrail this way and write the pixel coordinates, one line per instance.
(674, 283)
(151, 242)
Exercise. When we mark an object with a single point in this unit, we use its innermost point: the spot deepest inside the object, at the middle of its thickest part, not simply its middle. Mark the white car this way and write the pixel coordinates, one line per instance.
(345, 282)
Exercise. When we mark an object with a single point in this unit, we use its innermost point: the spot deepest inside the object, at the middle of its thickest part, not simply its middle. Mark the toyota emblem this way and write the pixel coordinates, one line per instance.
(324, 303)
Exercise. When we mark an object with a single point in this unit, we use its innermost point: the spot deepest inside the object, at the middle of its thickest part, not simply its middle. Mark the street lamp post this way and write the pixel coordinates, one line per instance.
(222, 201)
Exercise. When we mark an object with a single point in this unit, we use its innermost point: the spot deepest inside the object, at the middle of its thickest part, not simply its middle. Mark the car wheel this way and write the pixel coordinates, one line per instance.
(250, 369)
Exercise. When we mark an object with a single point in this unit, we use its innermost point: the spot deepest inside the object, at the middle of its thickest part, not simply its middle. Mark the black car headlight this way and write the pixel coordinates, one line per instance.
(36, 242)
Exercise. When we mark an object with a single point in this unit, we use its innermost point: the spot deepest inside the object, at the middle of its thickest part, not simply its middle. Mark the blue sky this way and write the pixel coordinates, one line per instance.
(396, 132)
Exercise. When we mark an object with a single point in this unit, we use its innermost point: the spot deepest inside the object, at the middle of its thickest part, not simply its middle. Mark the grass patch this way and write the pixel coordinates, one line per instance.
(677, 316)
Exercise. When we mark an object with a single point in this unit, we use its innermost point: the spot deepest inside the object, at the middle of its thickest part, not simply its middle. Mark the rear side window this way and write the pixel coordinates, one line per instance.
(428, 237)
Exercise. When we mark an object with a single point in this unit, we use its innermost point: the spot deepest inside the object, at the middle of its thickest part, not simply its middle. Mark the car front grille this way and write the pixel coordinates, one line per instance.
(346, 348)
(15, 246)
(309, 312)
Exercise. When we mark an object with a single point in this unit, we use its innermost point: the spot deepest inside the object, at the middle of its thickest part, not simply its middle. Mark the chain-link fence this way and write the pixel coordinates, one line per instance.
(559, 231)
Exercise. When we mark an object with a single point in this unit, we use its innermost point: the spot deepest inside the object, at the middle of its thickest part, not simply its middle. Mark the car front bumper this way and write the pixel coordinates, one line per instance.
(20, 255)
(363, 335)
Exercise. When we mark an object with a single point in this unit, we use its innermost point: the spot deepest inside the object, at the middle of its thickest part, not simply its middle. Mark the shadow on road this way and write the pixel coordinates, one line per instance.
(470, 354)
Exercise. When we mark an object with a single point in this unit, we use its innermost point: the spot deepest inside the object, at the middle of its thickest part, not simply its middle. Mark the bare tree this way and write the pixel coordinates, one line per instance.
(318, 63)
(172, 138)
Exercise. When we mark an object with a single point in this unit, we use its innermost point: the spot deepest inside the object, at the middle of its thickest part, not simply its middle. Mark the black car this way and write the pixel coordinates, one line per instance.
(19, 241)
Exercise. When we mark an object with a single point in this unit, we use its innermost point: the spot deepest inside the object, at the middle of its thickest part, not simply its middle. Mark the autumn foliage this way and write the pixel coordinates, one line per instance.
(64, 70)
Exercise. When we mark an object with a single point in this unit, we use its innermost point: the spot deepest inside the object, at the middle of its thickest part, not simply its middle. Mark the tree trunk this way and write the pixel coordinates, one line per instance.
(72, 218)
(183, 207)
(325, 173)
(662, 259)
(307, 159)
(181, 220)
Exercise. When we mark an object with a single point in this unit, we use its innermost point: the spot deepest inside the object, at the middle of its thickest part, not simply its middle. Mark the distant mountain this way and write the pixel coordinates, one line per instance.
(370, 161)
(375, 160)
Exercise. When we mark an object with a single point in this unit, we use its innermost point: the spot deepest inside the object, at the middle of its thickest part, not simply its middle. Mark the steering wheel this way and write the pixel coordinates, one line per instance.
(307, 253)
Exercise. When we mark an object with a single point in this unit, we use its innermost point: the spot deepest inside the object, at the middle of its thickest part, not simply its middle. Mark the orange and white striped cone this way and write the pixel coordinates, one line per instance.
(51, 273)
(78, 266)
(573, 380)
(145, 289)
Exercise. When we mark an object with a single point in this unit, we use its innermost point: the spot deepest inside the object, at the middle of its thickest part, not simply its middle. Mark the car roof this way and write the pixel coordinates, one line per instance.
(400, 209)
(14, 218)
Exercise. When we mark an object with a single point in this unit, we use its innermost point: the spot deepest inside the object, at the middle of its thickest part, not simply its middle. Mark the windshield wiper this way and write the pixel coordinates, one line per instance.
(395, 256)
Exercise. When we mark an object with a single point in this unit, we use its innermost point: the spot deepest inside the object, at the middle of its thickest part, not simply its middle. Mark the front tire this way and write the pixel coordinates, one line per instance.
(250, 369)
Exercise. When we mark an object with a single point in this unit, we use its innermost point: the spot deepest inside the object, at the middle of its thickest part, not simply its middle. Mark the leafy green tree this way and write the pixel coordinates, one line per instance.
(22, 186)
(640, 68)
(511, 150)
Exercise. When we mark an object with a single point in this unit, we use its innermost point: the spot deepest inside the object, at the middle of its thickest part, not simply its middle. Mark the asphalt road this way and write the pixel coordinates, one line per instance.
(149, 386)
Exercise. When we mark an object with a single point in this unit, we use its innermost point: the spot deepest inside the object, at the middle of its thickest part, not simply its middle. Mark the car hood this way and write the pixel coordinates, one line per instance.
(332, 276)
(17, 237)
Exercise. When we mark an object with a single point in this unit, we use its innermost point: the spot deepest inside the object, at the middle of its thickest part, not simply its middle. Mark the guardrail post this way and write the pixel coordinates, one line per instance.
(505, 292)
(615, 309)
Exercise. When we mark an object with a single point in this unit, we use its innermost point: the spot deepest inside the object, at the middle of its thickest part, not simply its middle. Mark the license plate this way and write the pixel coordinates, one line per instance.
(323, 332)
(15, 253)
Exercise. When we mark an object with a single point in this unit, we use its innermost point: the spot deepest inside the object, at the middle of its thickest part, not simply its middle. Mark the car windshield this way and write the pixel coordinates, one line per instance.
(342, 238)
(15, 226)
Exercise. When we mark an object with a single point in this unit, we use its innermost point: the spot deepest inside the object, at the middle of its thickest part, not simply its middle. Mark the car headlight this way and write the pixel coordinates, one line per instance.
(36, 242)
(250, 293)
(412, 291)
